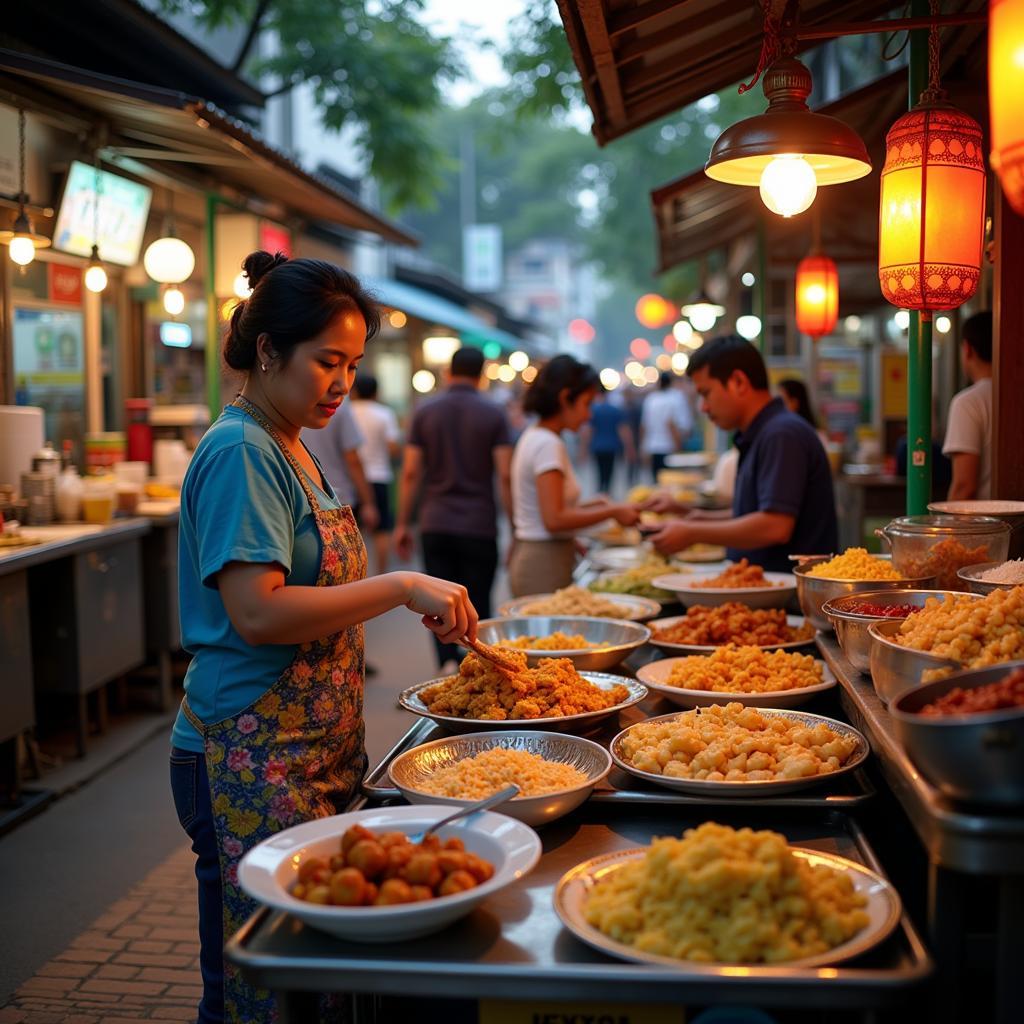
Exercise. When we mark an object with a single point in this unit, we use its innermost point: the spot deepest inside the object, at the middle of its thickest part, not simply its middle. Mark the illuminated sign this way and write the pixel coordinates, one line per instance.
(175, 334)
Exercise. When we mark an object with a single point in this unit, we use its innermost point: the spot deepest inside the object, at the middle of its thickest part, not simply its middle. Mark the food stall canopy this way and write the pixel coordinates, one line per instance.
(645, 59)
(436, 310)
(188, 136)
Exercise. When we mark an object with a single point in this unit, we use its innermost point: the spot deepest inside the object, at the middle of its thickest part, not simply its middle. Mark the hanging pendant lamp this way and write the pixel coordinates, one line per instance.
(169, 260)
(932, 207)
(788, 151)
(22, 240)
(96, 274)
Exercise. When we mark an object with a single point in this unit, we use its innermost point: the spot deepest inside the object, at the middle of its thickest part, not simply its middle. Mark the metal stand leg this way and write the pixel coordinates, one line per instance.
(948, 941)
(1009, 949)
(82, 724)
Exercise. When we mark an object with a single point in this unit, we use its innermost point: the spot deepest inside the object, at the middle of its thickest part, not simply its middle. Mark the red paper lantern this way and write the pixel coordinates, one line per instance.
(817, 295)
(932, 209)
(1005, 89)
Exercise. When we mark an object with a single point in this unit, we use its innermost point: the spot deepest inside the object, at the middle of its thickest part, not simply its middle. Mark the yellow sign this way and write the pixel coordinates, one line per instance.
(894, 386)
(499, 1011)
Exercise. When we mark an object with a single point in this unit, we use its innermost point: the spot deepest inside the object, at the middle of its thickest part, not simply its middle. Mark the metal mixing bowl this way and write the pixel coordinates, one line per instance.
(617, 639)
(970, 573)
(852, 628)
(895, 668)
(815, 591)
(976, 757)
(410, 771)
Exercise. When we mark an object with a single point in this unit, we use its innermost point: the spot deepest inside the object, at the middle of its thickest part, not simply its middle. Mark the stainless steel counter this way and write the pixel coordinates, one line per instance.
(67, 539)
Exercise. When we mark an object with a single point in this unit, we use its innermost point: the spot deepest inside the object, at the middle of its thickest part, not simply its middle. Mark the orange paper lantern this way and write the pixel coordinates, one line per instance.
(1005, 89)
(654, 311)
(817, 295)
(932, 209)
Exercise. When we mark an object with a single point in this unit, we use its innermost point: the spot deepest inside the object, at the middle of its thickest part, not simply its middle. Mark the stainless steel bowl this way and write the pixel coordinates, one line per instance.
(975, 757)
(410, 771)
(895, 668)
(852, 628)
(815, 591)
(970, 573)
(615, 638)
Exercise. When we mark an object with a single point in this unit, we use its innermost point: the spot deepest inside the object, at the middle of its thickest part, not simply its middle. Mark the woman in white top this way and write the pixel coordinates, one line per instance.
(545, 493)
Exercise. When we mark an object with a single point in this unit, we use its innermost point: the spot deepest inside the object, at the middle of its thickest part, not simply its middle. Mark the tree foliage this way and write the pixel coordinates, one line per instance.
(371, 64)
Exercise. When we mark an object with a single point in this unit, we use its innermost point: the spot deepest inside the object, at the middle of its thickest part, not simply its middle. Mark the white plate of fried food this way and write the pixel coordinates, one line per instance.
(751, 676)
(704, 629)
(574, 600)
(651, 904)
(740, 581)
(701, 552)
(705, 751)
(553, 695)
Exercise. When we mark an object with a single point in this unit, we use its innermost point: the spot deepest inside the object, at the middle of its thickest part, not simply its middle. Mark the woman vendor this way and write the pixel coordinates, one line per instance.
(273, 599)
(546, 510)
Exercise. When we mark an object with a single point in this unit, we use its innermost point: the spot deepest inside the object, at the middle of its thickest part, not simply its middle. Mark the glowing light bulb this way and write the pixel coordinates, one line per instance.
(423, 381)
(634, 369)
(240, 286)
(519, 361)
(702, 317)
(943, 324)
(680, 361)
(682, 331)
(902, 319)
(788, 185)
(96, 278)
(610, 378)
(506, 374)
(651, 374)
(23, 250)
(174, 301)
(748, 326)
(748, 280)
(529, 374)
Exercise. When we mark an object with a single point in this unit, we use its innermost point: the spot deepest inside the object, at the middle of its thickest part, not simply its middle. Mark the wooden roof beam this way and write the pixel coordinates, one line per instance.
(591, 13)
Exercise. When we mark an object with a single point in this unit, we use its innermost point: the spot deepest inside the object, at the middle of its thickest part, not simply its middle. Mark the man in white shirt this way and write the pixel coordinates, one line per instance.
(969, 426)
(664, 423)
(381, 436)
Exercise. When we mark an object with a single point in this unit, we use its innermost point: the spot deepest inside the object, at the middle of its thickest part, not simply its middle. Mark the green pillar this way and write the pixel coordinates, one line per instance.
(213, 397)
(762, 284)
(919, 355)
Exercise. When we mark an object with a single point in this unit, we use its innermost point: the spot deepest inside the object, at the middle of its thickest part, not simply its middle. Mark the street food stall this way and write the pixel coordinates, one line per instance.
(873, 741)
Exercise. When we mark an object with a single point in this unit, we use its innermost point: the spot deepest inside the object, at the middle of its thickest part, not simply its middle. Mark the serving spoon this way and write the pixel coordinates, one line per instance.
(508, 793)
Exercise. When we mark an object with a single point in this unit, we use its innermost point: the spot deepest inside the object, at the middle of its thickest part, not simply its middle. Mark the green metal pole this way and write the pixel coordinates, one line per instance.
(762, 285)
(919, 354)
(213, 396)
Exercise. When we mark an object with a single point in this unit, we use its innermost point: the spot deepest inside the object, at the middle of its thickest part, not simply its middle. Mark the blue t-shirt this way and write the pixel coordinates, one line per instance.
(605, 420)
(783, 468)
(241, 502)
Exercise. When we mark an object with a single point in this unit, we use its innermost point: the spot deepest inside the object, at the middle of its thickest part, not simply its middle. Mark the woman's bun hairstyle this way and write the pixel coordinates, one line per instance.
(292, 301)
(563, 373)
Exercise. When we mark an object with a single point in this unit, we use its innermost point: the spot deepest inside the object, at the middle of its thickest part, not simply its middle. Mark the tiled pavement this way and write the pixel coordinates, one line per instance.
(138, 961)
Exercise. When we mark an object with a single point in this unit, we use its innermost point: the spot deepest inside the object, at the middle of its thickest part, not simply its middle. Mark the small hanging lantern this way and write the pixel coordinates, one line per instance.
(653, 311)
(1005, 88)
(22, 240)
(817, 295)
(169, 259)
(932, 207)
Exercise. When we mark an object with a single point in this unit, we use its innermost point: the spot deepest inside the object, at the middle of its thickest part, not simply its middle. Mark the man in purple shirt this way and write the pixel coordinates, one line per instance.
(458, 443)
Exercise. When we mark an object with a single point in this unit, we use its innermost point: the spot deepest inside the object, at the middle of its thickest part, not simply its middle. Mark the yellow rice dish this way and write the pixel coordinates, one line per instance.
(719, 895)
(732, 669)
(856, 564)
(475, 777)
(555, 642)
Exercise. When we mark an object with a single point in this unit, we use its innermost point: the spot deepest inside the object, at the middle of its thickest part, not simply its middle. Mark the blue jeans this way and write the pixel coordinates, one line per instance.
(191, 790)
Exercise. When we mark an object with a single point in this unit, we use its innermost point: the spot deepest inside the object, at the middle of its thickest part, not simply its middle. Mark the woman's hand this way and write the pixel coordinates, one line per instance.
(446, 609)
(661, 502)
(626, 515)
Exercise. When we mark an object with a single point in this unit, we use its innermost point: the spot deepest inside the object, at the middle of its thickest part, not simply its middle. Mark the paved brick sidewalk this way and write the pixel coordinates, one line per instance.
(139, 961)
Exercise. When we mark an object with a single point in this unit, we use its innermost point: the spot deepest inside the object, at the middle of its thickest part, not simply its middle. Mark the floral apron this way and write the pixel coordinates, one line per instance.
(297, 752)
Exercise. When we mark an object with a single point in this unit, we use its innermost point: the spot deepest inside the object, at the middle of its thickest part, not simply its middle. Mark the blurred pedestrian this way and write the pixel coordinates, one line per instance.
(969, 428)
(379, 427)
(796, 398)
(459, 451)
(547, 511)
(665, 423)
(608, 438)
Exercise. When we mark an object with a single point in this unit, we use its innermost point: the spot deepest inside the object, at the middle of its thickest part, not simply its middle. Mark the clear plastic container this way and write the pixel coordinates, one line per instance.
(98, 497)
(940, 546)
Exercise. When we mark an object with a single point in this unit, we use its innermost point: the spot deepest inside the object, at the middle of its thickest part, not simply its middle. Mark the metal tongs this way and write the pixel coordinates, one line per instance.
(495, 655)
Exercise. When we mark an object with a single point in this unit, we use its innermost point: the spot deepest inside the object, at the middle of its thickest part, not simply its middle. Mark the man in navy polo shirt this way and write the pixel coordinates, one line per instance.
(783, 502)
